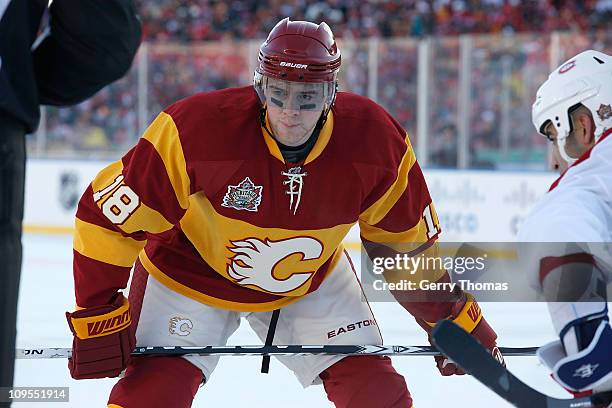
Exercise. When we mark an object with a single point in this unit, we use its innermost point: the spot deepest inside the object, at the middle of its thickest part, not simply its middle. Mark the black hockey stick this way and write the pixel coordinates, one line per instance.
(468, 353)
(273, 350)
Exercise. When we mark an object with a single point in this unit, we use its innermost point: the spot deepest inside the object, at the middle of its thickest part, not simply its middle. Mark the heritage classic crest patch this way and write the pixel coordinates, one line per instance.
(244, 196)
(604, 112)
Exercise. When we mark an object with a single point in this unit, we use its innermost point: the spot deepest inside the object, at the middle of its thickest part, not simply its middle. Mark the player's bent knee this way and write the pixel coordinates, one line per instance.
(152, 382)
(365, 382)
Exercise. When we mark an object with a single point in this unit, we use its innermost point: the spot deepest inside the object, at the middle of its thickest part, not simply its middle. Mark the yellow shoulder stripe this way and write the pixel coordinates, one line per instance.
(105, 178)
(381, 207)
(164, 136)
(143, 217)
(104, 245)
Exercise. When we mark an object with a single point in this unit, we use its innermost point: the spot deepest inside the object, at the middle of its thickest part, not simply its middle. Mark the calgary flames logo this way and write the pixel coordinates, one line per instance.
(181, 326)
(256, 260)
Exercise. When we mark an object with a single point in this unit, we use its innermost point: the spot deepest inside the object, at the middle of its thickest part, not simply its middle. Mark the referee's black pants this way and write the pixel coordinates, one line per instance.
(12, 180)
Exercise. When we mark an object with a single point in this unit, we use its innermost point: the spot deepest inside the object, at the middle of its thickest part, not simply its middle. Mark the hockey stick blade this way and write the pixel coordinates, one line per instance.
(468, 353)
(272, 350)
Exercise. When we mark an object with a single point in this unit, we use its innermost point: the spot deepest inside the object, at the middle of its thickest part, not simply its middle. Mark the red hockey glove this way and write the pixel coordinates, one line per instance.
(467, 314)
(102, 340)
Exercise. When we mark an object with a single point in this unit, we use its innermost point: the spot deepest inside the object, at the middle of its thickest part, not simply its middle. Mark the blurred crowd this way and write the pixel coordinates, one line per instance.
(205, 45)
(178, 20)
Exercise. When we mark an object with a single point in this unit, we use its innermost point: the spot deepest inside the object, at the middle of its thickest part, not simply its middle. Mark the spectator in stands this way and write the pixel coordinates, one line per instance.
(175, 71)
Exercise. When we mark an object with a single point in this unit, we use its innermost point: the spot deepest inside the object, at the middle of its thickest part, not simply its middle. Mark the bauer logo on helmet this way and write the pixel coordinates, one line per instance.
(293, 65)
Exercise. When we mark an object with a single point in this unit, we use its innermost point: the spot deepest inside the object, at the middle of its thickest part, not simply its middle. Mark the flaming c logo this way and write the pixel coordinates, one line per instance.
(181, 326)
(256, 260)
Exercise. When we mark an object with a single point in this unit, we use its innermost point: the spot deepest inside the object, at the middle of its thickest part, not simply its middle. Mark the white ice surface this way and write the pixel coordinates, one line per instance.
(47, 292)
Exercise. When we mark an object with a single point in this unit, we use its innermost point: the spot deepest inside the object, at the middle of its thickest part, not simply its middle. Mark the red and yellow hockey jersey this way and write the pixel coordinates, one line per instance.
(203, 201)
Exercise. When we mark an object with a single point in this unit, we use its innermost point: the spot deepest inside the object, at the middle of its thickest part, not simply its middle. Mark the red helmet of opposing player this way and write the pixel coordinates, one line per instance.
(299, 51)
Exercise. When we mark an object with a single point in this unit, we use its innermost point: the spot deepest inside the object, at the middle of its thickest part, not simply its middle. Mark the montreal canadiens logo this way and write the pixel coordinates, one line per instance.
(243, 196)
(568, 66)
(256, 262)
(604, 112)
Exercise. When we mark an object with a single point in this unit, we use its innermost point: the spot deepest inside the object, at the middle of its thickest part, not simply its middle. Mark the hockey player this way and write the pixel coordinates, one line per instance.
(573, 222)
(233, 204)
(87, 45)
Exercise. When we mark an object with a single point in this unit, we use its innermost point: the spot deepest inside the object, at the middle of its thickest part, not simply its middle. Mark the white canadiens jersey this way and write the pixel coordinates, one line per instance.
(577, 209)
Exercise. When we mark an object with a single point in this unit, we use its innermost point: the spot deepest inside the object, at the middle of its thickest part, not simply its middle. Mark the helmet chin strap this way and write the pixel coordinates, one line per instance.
(561, 148)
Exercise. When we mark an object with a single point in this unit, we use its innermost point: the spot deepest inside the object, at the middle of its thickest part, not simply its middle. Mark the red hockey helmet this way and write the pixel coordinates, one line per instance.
(299, 51)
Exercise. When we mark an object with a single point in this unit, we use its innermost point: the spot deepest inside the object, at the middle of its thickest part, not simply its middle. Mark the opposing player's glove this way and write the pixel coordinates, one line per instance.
(588, 370)
(102, 341)
(467, 314)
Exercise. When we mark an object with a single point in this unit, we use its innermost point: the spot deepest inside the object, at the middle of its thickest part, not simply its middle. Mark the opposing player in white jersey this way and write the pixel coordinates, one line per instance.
(573, 222)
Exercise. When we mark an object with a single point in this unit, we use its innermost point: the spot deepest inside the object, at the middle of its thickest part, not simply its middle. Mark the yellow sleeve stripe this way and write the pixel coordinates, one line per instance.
(104, 245)
(146, 218)
(416, 234)
(381, 207)
(164, 136)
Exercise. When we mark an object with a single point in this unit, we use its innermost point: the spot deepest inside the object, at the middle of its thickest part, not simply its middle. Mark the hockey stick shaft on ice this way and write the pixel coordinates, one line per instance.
(272, 350)
(465, 351)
